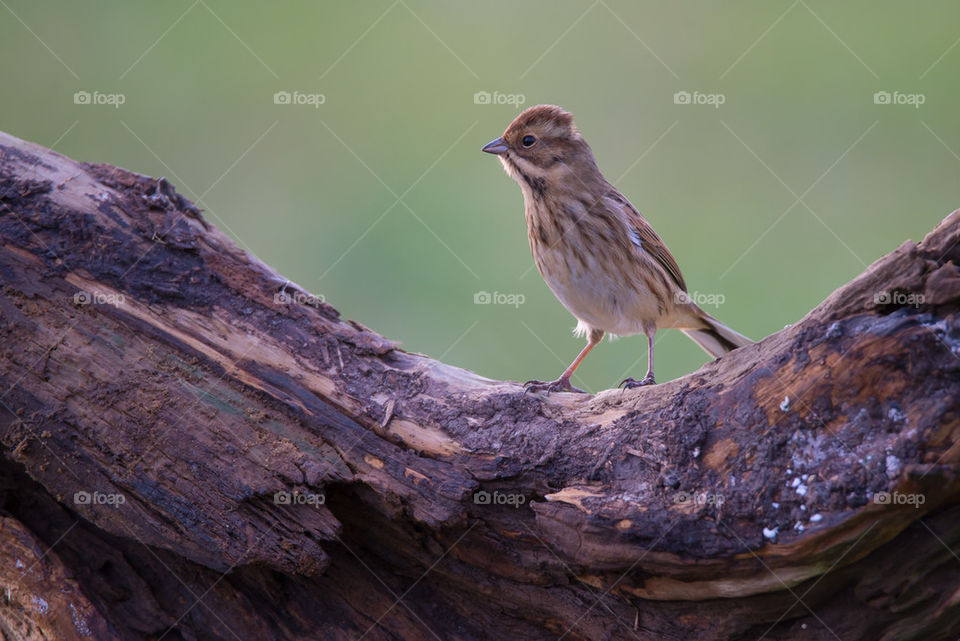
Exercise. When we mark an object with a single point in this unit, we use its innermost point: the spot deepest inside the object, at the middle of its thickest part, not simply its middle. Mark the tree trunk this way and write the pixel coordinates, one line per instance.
(192, 449)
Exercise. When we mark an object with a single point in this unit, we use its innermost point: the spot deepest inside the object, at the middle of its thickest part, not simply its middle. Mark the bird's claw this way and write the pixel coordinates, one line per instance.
(559, 385)
(630, 383)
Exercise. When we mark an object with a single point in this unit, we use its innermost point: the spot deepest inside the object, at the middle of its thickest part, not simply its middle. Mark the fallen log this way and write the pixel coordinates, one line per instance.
(206, 451)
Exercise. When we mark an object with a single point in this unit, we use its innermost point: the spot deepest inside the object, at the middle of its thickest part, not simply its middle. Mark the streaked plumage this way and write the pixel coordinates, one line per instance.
(598, 255)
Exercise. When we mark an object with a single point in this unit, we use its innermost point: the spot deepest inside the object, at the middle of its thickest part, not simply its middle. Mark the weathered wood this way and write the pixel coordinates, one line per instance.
(178, 384)
(39, 600)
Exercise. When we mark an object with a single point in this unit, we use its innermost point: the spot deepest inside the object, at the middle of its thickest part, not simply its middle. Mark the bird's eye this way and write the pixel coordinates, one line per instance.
(529, 140)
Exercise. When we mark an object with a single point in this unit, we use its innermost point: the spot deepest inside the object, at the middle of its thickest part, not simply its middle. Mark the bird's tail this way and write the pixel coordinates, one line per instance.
(717, 339)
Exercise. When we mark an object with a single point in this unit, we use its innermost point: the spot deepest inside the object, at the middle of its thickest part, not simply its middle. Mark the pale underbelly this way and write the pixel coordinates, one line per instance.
(616, 307)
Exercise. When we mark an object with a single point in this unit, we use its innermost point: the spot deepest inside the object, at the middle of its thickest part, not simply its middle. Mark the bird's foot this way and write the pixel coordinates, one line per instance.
(630, 383)
(562, 384)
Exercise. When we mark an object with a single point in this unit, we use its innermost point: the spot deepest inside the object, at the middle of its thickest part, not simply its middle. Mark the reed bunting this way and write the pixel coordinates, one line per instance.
(598, 255)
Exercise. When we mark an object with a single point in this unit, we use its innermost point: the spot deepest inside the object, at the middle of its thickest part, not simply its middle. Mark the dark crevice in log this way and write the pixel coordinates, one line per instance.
(140, 588)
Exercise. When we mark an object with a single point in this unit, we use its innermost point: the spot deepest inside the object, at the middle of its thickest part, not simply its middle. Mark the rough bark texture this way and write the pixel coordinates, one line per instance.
(191, 450)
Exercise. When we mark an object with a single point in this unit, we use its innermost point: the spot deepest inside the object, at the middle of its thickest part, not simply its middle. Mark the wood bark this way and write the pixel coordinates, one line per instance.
(193, 448)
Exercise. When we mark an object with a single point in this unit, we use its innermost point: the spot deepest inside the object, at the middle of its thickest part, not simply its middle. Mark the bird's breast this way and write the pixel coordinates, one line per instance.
(595, 276)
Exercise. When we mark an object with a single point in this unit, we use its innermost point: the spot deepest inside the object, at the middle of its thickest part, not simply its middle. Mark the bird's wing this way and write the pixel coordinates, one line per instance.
(643, 236)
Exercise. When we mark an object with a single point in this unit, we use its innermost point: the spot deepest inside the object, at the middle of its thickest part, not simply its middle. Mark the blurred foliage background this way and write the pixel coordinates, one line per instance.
(380, 200)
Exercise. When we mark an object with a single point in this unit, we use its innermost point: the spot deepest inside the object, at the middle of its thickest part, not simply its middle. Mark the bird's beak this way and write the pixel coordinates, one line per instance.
(496, 146)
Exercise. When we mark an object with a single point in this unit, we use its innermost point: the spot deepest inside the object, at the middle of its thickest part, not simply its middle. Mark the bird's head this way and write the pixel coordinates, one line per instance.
(543, 145)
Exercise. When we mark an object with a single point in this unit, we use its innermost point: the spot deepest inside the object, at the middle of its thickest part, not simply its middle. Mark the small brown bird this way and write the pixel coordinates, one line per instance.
(598, 255)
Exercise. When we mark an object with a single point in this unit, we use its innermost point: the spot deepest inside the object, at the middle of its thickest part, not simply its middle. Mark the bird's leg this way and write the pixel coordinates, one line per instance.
(562, 384)
(629, 383)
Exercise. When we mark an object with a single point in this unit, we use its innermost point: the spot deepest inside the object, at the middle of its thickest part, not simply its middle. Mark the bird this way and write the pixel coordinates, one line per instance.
(597, 253)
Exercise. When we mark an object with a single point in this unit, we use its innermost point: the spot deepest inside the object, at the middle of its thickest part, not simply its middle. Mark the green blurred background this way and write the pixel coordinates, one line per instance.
(312, 190)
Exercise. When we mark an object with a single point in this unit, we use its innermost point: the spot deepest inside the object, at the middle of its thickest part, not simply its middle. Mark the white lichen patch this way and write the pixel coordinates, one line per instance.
(895, 415)
(79, 622)
(40, 604)
(893, 466)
